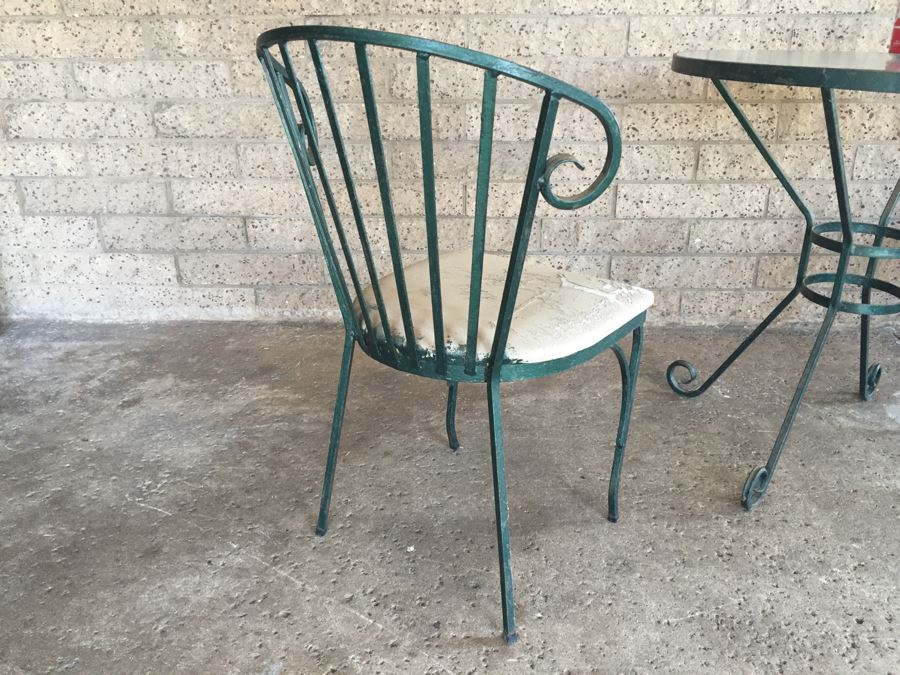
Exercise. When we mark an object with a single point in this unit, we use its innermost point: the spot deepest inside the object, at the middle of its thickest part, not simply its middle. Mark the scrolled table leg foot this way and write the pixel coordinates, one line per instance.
(873, 376)
(755, 488)
(679, 385)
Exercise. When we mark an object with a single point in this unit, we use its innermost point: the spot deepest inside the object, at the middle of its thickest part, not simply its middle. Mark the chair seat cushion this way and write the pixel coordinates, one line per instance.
(557, 313)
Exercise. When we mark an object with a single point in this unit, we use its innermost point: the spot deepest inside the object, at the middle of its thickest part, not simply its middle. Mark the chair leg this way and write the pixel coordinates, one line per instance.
(336, 423)
(629, 372)
(451, 415)
(501, 511)
(760, 478)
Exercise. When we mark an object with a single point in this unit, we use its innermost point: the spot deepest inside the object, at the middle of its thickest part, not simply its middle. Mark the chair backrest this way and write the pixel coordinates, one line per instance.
(295, 107)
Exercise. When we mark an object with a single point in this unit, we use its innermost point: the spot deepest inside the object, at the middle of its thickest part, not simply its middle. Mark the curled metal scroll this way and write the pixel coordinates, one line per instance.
(755, 487)
(595, 189)
(679, 386)
(873, 376)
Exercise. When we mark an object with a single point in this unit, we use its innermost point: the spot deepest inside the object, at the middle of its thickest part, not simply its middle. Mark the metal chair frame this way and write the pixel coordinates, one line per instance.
(453, 366)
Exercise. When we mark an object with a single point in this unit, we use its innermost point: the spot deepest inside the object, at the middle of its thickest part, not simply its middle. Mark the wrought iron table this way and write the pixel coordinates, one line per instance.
(827, 71)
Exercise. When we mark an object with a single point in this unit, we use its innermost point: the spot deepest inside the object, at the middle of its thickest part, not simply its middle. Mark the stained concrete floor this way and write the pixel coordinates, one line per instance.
(158, 487)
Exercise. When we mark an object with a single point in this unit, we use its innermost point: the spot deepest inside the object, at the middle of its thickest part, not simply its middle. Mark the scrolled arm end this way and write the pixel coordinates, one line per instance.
(595, 189)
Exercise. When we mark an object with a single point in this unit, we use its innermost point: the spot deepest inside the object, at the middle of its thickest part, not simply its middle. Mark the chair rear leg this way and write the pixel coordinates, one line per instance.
(336, 423)
(451, 415)
(629, 381)
(501, 511)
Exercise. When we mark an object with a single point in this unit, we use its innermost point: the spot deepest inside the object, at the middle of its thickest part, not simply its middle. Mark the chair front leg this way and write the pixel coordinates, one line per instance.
(336, 423)
(501, 511)
(629, 372)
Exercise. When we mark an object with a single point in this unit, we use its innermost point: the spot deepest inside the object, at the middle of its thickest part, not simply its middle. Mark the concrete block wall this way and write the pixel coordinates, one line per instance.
(144, 175)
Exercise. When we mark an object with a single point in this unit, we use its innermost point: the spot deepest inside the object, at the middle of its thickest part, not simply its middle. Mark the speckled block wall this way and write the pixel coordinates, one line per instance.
(144, 176)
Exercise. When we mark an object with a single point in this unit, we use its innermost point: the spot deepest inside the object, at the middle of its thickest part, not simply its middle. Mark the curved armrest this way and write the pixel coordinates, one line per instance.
(610, 166)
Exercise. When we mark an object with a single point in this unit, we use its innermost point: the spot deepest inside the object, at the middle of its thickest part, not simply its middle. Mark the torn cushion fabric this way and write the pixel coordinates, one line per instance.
(557, 313)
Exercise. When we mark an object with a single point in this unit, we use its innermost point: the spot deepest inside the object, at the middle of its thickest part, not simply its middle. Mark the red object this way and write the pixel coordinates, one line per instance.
(895, 36)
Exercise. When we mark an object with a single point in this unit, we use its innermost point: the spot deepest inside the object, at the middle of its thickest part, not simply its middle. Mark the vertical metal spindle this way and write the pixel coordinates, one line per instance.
(384, 187)
(423, 74)
(543, 136)
(350, 184)
(308, 121)
(277, 83)
(488, 105)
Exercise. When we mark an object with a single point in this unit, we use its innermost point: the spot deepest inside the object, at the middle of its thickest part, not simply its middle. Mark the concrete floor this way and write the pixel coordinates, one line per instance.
(159, 484)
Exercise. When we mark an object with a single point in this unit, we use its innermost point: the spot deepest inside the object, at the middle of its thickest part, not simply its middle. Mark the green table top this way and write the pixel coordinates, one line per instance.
(863, 71)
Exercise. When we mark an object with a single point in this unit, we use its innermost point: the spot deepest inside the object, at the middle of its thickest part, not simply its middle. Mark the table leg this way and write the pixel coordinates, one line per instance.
(758, 481)
(870, 375)
(678, 386)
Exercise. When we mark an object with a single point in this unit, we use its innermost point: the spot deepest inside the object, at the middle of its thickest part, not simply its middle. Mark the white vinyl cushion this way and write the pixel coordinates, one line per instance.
(557, 313)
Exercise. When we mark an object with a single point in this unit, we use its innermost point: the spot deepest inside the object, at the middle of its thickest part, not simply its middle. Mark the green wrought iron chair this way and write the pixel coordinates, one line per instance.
(460, 316)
